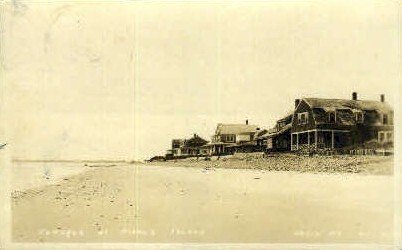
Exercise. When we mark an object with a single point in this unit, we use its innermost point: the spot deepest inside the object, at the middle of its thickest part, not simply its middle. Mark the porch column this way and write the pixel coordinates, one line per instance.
(291, 141)
(297, 141)
(316, 138)
(332, 140)
(308, 138)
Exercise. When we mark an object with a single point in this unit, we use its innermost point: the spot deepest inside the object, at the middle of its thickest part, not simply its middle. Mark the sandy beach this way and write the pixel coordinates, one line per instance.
(170, 203)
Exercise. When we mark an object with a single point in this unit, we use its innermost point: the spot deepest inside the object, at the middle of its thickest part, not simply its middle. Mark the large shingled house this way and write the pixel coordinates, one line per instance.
(336, 123)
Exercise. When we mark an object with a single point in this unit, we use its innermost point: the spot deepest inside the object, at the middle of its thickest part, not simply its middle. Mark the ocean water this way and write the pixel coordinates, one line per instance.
(26, 175)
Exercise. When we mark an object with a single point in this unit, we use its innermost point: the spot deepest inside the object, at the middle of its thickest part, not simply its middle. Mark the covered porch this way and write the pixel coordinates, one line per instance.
(245, 147)
(217, 148)
(319, 139)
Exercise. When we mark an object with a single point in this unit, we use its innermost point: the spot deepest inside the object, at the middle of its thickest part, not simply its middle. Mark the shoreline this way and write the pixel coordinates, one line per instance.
(30, 176)
(361, 165)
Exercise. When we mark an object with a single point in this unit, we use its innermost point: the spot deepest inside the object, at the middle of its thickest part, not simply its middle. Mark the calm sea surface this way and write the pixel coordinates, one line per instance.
(27, 175)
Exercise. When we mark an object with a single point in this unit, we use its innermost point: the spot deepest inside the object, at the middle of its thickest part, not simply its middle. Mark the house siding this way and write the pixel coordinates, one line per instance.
(302, 107)
(243, 138)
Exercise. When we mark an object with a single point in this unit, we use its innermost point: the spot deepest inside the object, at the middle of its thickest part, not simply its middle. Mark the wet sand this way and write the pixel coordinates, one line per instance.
(142, 203)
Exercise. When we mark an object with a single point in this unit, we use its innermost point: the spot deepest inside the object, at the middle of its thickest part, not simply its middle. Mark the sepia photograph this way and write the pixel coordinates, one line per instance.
(200, 124)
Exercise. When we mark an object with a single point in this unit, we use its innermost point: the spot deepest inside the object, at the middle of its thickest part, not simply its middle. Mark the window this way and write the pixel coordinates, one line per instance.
(359, 117)
(385, 119)
(228, 138)
(381, 136)
(389, 136)
(331, 117)
(281, 124)
(302, 118)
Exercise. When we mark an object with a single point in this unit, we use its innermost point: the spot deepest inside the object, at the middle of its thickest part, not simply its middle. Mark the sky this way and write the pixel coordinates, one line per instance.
(120, 80)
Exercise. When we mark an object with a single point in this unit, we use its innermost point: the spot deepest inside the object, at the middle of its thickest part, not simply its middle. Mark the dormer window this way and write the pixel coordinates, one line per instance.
(331, 117)
(359, 117)
(302, 118)
(385, 119)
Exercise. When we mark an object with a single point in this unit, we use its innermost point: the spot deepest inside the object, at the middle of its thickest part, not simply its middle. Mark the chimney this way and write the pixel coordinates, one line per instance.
(354, 96)
(297, 101)
(246, 122)
(382, 96)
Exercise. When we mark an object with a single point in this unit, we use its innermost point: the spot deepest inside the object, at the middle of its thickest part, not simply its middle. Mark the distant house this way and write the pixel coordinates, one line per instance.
(192, 146)
(278, 138)
(336, 123)
(177, 145)
(260, 139)
(230, 138)
(182, 148)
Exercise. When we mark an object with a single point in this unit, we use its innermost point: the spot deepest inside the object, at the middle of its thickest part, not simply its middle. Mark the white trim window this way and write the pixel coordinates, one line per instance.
(229, 138)
(381, 136)
(385, 136)
(302, 118)
(389, 136)
(332, 117)
(385, 119)
(359, 116)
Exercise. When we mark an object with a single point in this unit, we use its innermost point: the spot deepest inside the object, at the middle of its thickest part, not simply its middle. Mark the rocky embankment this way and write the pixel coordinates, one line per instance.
(290, 162)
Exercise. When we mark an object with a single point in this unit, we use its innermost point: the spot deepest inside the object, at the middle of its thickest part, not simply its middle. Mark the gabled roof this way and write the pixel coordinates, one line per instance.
(235, 128)
(288, 115)
(332, 104)
(195, 141)
(281, 131)
(260, 134)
